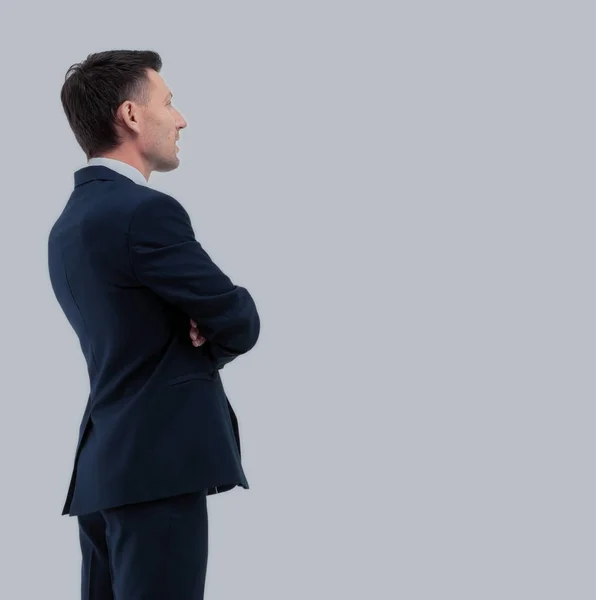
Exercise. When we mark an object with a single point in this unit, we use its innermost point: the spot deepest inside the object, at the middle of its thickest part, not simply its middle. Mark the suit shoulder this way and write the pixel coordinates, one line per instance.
(147, 194)
(156, 203)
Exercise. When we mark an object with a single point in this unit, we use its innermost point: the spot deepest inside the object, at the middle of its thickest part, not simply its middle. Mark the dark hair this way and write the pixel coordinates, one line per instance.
(95, 88)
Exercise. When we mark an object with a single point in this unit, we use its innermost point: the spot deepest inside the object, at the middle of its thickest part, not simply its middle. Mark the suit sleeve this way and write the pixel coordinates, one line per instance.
(167, 259)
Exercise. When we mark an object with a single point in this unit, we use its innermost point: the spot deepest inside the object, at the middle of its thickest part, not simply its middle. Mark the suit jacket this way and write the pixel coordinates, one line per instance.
(129, 274)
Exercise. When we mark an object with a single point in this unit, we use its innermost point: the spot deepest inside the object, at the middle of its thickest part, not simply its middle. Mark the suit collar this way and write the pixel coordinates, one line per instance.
(103, 169)
(97, 173)
(119, 166)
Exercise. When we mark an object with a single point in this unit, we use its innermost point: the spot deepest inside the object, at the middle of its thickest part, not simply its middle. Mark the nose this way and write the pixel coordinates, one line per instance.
(181, 122)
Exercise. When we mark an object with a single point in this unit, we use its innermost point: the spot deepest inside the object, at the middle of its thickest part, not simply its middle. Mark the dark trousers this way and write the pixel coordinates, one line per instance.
(153, 550)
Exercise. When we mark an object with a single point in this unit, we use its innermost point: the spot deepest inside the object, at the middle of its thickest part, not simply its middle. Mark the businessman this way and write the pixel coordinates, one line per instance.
(156, 320)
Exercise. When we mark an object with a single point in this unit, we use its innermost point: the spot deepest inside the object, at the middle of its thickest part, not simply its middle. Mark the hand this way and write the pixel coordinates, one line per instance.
(197, 338)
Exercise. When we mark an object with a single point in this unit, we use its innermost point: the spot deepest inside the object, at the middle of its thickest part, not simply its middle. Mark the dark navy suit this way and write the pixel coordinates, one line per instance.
(158, 433)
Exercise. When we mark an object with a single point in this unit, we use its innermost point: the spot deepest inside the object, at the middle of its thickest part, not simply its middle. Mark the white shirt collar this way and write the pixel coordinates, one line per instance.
(120, 167)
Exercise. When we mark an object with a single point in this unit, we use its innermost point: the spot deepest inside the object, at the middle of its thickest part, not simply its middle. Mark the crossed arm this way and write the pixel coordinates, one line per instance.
(166, 257)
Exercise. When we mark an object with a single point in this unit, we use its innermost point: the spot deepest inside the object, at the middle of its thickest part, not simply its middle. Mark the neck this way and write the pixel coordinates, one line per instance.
(130, 159)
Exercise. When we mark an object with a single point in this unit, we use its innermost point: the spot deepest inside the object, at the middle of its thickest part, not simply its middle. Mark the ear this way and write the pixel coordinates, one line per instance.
(128, 116)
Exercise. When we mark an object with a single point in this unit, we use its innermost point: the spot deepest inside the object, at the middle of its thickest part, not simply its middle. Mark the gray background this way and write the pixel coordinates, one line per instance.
(407, 189)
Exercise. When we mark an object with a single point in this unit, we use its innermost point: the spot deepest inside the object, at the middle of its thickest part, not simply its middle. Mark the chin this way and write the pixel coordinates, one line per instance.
(169, 165)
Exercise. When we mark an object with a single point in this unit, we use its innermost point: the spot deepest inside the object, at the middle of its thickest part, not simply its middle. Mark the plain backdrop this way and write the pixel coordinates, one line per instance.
(407, 191)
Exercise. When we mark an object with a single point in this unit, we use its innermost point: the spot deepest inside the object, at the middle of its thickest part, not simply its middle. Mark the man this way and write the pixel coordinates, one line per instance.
(156, 320)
